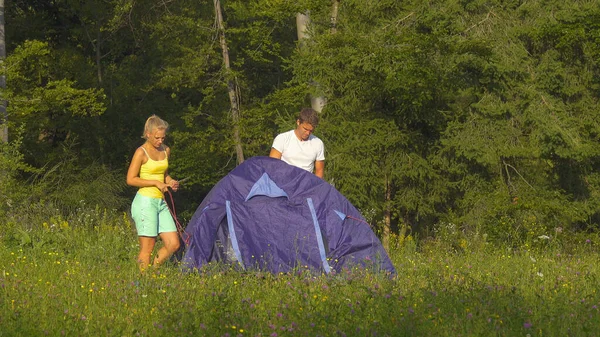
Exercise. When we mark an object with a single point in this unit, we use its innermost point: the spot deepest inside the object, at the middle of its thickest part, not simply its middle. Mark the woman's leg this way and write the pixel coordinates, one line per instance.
(168, 234)
(146, 247)
(144, 212)
(170, 245)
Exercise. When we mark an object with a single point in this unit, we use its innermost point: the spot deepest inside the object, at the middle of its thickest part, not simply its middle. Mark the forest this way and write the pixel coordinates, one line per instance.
(476, 117)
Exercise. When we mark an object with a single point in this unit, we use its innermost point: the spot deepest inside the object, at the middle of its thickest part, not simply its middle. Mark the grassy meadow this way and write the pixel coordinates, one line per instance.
(77, 277)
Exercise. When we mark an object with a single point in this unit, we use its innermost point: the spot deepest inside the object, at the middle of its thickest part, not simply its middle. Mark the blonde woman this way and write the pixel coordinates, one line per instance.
(149, 171)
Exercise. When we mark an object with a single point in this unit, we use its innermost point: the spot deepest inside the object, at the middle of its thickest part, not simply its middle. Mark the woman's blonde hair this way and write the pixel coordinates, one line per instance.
(154, 122)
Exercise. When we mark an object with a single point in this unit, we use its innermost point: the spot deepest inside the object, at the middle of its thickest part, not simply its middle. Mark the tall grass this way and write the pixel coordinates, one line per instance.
(76, 276)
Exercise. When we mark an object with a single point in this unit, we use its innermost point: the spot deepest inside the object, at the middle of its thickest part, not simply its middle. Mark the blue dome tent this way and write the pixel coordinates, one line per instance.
(268, 215)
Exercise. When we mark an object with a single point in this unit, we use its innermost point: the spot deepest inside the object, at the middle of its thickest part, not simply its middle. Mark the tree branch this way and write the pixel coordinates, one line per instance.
(480, 22)
(512, 167)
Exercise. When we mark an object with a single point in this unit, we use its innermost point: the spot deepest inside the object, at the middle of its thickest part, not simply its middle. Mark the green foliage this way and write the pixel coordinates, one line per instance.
(526, 145)
(48, 105)
(480, 113)
(61, 189)
(68, 185)
(12, 167)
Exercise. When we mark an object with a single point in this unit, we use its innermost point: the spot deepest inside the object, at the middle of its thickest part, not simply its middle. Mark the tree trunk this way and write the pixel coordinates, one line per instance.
(99, 56)
(334, 15)
(3, 113)
(96, 44)
(302, 23)
(231, 84)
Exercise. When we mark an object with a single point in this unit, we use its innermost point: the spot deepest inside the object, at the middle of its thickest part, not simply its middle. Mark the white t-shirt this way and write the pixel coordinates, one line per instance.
(299, 153)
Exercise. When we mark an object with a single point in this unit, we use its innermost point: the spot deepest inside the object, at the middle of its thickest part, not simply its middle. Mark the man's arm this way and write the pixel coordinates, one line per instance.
(319, 168)
(275, 154)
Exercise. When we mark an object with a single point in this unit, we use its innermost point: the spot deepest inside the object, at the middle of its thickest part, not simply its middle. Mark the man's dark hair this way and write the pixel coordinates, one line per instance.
(309, 116)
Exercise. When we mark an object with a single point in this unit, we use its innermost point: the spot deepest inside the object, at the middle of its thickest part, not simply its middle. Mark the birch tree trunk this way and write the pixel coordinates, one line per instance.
(3, 113)
(231, 86)
(334, 15)
(302, 24)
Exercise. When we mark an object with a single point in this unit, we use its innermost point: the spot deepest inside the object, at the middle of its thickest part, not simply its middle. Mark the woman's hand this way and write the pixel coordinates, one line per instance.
(174, 184)
(162, 186)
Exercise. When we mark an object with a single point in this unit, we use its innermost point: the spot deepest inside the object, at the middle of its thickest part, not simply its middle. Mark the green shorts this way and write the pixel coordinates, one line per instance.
(151, 216)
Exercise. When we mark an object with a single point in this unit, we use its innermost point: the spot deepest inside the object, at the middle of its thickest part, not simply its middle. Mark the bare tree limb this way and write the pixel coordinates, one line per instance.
(231, 84)
(480, 22)
(517, 172)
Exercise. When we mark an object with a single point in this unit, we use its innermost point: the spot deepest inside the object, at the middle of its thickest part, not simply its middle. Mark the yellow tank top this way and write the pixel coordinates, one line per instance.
(153, 170)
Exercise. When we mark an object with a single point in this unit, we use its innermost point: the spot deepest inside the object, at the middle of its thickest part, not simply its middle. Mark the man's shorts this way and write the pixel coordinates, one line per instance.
(151, 216)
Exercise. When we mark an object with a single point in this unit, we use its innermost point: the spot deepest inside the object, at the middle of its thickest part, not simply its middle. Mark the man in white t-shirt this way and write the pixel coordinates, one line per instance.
(299, 147)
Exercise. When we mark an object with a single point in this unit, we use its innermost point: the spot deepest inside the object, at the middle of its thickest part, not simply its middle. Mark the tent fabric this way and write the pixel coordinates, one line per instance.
(268, 215)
